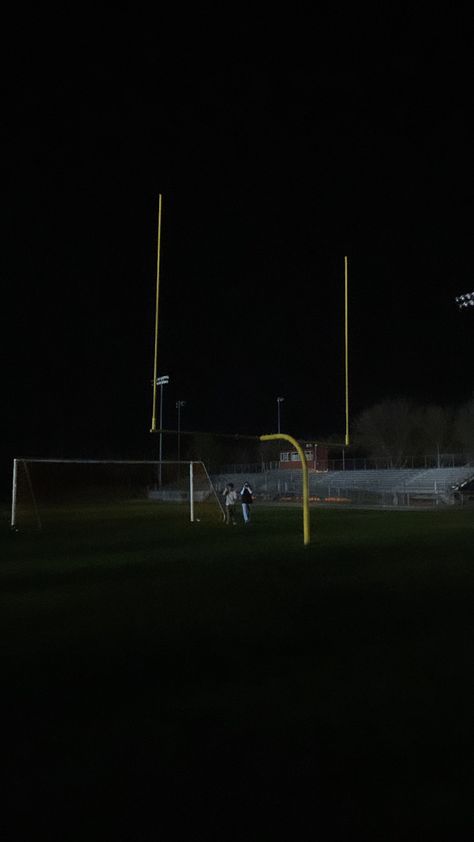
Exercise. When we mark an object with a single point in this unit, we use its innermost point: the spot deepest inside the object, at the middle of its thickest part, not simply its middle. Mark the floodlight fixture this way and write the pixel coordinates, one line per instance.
(465, 301)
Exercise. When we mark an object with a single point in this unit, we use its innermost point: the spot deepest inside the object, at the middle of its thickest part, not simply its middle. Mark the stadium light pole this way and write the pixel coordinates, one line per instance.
(179, 405)
(465, 301)
(161, 381)
(279, 401)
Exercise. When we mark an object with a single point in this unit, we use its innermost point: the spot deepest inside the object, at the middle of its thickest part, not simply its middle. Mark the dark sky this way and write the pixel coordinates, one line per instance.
(277, 151)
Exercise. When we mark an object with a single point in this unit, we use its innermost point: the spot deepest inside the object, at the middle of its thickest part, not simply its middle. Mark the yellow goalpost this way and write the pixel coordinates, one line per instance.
(155, 359)
(273, 436)
(304, 465)
(346, 348)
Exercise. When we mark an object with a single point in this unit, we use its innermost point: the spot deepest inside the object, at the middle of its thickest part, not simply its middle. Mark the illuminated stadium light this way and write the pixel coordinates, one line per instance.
(466, 300)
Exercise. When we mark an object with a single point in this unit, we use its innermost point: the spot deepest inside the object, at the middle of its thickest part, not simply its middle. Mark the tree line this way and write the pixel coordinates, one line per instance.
(393, 431)
(398, 429)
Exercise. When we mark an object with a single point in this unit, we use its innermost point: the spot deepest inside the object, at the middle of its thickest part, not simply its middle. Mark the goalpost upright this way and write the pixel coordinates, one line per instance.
(157, 304)
(346, 350)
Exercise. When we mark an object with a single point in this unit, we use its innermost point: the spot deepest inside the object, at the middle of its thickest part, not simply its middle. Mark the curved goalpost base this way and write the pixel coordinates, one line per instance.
(296, 444)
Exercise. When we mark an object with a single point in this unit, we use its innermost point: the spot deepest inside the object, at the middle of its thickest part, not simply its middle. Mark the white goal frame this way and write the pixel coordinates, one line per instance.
(152, 462)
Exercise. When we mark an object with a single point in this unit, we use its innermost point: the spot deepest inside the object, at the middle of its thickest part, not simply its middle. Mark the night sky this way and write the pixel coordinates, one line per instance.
(277, 152)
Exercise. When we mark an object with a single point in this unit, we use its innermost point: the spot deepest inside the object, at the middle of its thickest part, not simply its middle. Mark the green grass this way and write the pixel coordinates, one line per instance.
(157, 670)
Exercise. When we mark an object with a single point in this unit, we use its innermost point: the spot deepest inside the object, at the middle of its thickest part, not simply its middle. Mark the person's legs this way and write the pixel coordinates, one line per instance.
(246, 512)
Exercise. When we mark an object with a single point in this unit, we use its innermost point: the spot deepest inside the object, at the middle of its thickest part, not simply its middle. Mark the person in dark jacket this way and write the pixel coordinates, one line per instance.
(246, 498)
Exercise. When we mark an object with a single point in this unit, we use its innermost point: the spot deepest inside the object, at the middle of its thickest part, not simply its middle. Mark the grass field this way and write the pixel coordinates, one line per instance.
(167, 680)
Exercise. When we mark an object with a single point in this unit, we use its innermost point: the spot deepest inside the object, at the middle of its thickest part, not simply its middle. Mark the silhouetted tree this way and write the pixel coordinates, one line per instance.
(435, 429)
(387, 430)
(464, 428)
(397, 429)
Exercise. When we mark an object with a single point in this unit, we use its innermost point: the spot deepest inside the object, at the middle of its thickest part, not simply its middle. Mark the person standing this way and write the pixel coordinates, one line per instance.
(230, 497)
(246, 498)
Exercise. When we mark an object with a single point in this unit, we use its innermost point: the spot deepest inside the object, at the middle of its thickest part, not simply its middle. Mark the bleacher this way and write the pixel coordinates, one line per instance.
(404, 485)
(387, 487)
(388, 479)
(443, 483)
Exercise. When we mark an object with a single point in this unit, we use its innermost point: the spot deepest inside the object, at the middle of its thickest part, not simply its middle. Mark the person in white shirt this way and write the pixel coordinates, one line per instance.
(230, 500)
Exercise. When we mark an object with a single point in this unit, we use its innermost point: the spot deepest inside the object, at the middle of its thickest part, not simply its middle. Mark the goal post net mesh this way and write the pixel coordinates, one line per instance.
(48, 491)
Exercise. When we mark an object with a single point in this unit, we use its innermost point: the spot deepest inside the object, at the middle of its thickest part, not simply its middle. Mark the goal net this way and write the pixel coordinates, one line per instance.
(52, 491)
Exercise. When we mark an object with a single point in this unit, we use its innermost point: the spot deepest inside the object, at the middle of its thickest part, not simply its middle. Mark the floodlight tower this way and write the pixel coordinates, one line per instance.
(161, 381)
(179, 405)
(465, 301)
(279, 401)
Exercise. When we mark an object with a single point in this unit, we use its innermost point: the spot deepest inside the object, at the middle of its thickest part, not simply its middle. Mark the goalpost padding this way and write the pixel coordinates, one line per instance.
(45, 491)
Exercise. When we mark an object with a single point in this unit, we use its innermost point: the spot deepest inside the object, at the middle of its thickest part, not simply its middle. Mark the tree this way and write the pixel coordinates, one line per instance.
(215, 450)
(464, 428)
(435, 430)
(207, 448)
(387, 430)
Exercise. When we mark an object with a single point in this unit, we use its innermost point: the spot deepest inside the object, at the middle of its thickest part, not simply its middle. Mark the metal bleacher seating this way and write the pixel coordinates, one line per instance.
(388, 487)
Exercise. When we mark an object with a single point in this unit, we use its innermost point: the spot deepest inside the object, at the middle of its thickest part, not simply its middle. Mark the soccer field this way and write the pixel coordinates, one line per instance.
(168, 680)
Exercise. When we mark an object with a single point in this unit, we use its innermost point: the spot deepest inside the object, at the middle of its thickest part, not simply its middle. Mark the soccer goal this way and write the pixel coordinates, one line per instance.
(50, 491)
